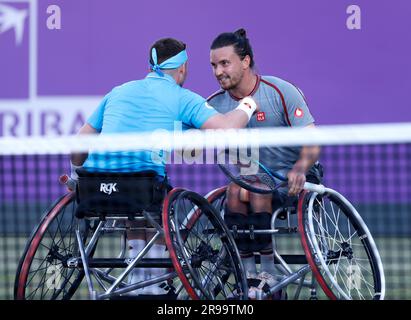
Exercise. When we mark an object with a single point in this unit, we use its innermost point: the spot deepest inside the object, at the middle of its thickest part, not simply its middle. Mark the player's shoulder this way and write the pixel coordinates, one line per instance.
(187, 94)
(282, 86)
(127, 86)
(277, 82)
(216, 96)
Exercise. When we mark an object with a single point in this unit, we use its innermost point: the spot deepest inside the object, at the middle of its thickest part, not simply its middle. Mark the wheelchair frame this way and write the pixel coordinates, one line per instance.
(91, 265)
(99, 269)
(88, 266)
(310, 261)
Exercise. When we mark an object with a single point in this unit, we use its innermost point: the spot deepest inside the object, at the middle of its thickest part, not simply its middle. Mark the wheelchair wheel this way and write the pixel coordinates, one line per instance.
(339, 247)
(217, 199)
(42, 273)
(201, 248)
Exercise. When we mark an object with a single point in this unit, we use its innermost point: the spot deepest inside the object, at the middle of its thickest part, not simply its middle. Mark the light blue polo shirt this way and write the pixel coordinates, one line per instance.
(152, 103)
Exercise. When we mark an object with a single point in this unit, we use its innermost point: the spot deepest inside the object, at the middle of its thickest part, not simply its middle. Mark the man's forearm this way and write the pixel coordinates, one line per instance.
(308, 156)
(234, 119)
(78, 158)
(237, 118)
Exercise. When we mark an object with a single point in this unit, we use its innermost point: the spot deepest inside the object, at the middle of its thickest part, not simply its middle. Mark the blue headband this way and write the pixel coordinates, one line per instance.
(171, 63)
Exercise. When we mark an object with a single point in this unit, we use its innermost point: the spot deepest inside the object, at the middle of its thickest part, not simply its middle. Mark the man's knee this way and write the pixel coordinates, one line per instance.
(234, 201)
(233, 191)
(261, 202)
(237, 193)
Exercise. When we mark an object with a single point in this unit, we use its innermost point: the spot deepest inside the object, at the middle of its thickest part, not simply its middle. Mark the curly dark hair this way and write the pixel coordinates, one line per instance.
(239, 40)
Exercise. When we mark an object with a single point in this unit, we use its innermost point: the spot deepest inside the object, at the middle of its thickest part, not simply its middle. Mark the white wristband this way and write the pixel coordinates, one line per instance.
(248, 105)
(73, 173)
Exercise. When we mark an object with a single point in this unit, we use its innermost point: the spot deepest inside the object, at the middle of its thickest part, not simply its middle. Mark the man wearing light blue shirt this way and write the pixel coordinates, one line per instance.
(146, 105)
(155, 102)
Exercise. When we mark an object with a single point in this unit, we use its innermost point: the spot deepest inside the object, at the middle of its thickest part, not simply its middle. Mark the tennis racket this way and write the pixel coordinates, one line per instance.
(254, 176)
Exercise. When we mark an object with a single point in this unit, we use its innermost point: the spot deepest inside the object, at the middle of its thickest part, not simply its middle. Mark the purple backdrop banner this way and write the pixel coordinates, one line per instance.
(348, 76)
(59, 57)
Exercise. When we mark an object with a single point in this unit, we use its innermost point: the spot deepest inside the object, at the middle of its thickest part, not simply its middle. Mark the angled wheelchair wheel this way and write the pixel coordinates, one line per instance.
(339, 247)
(217, 199)
(201, 248)
(43, 273)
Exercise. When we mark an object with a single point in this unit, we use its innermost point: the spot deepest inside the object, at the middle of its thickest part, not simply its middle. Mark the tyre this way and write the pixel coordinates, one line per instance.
(217, 199)
(201, 248)
(42, 273)
(339, 247)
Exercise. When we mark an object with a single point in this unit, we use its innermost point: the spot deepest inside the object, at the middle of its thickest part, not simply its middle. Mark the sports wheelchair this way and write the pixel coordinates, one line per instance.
(338, 249)
(73, 239)
(70, 244)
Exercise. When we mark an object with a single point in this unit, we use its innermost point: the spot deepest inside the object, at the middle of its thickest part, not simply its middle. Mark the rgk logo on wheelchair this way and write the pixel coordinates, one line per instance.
(108, 188)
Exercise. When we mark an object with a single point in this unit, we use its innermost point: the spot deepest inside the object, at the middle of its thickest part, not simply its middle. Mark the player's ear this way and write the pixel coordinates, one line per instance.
(183, 70)
(246, 62)
(184, 67)
(182, 73)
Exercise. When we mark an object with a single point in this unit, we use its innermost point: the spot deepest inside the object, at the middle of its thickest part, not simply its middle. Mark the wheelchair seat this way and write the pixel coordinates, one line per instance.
(122, 194)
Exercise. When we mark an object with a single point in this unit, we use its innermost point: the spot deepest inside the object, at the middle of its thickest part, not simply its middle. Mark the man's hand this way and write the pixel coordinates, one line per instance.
(296, 176)
(296, 179)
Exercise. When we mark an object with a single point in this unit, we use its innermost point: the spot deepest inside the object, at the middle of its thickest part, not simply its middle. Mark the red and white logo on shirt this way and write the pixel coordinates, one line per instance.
(260, 116)
(299, 112)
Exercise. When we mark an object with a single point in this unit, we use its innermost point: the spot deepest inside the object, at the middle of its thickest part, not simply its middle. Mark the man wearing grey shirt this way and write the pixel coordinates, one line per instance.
(281, 105)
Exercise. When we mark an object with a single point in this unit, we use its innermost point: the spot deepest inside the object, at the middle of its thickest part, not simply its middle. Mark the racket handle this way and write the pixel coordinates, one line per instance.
(319, 188)
(69, 182)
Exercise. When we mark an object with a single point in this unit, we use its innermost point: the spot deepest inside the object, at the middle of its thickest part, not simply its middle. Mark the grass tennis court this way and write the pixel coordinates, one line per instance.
(395, 253)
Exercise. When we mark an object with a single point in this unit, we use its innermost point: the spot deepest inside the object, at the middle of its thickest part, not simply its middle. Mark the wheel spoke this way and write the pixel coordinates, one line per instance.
(199, 238)
(47, 277)
(347, 262)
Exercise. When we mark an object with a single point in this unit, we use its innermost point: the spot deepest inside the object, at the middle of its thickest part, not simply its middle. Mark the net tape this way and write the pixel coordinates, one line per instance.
(209, 139)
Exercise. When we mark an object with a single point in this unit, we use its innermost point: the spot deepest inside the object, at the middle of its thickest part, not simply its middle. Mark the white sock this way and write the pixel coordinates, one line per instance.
(267, 263)
(156, 251)
(137, 274)
(134, 247)
(249, 264)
